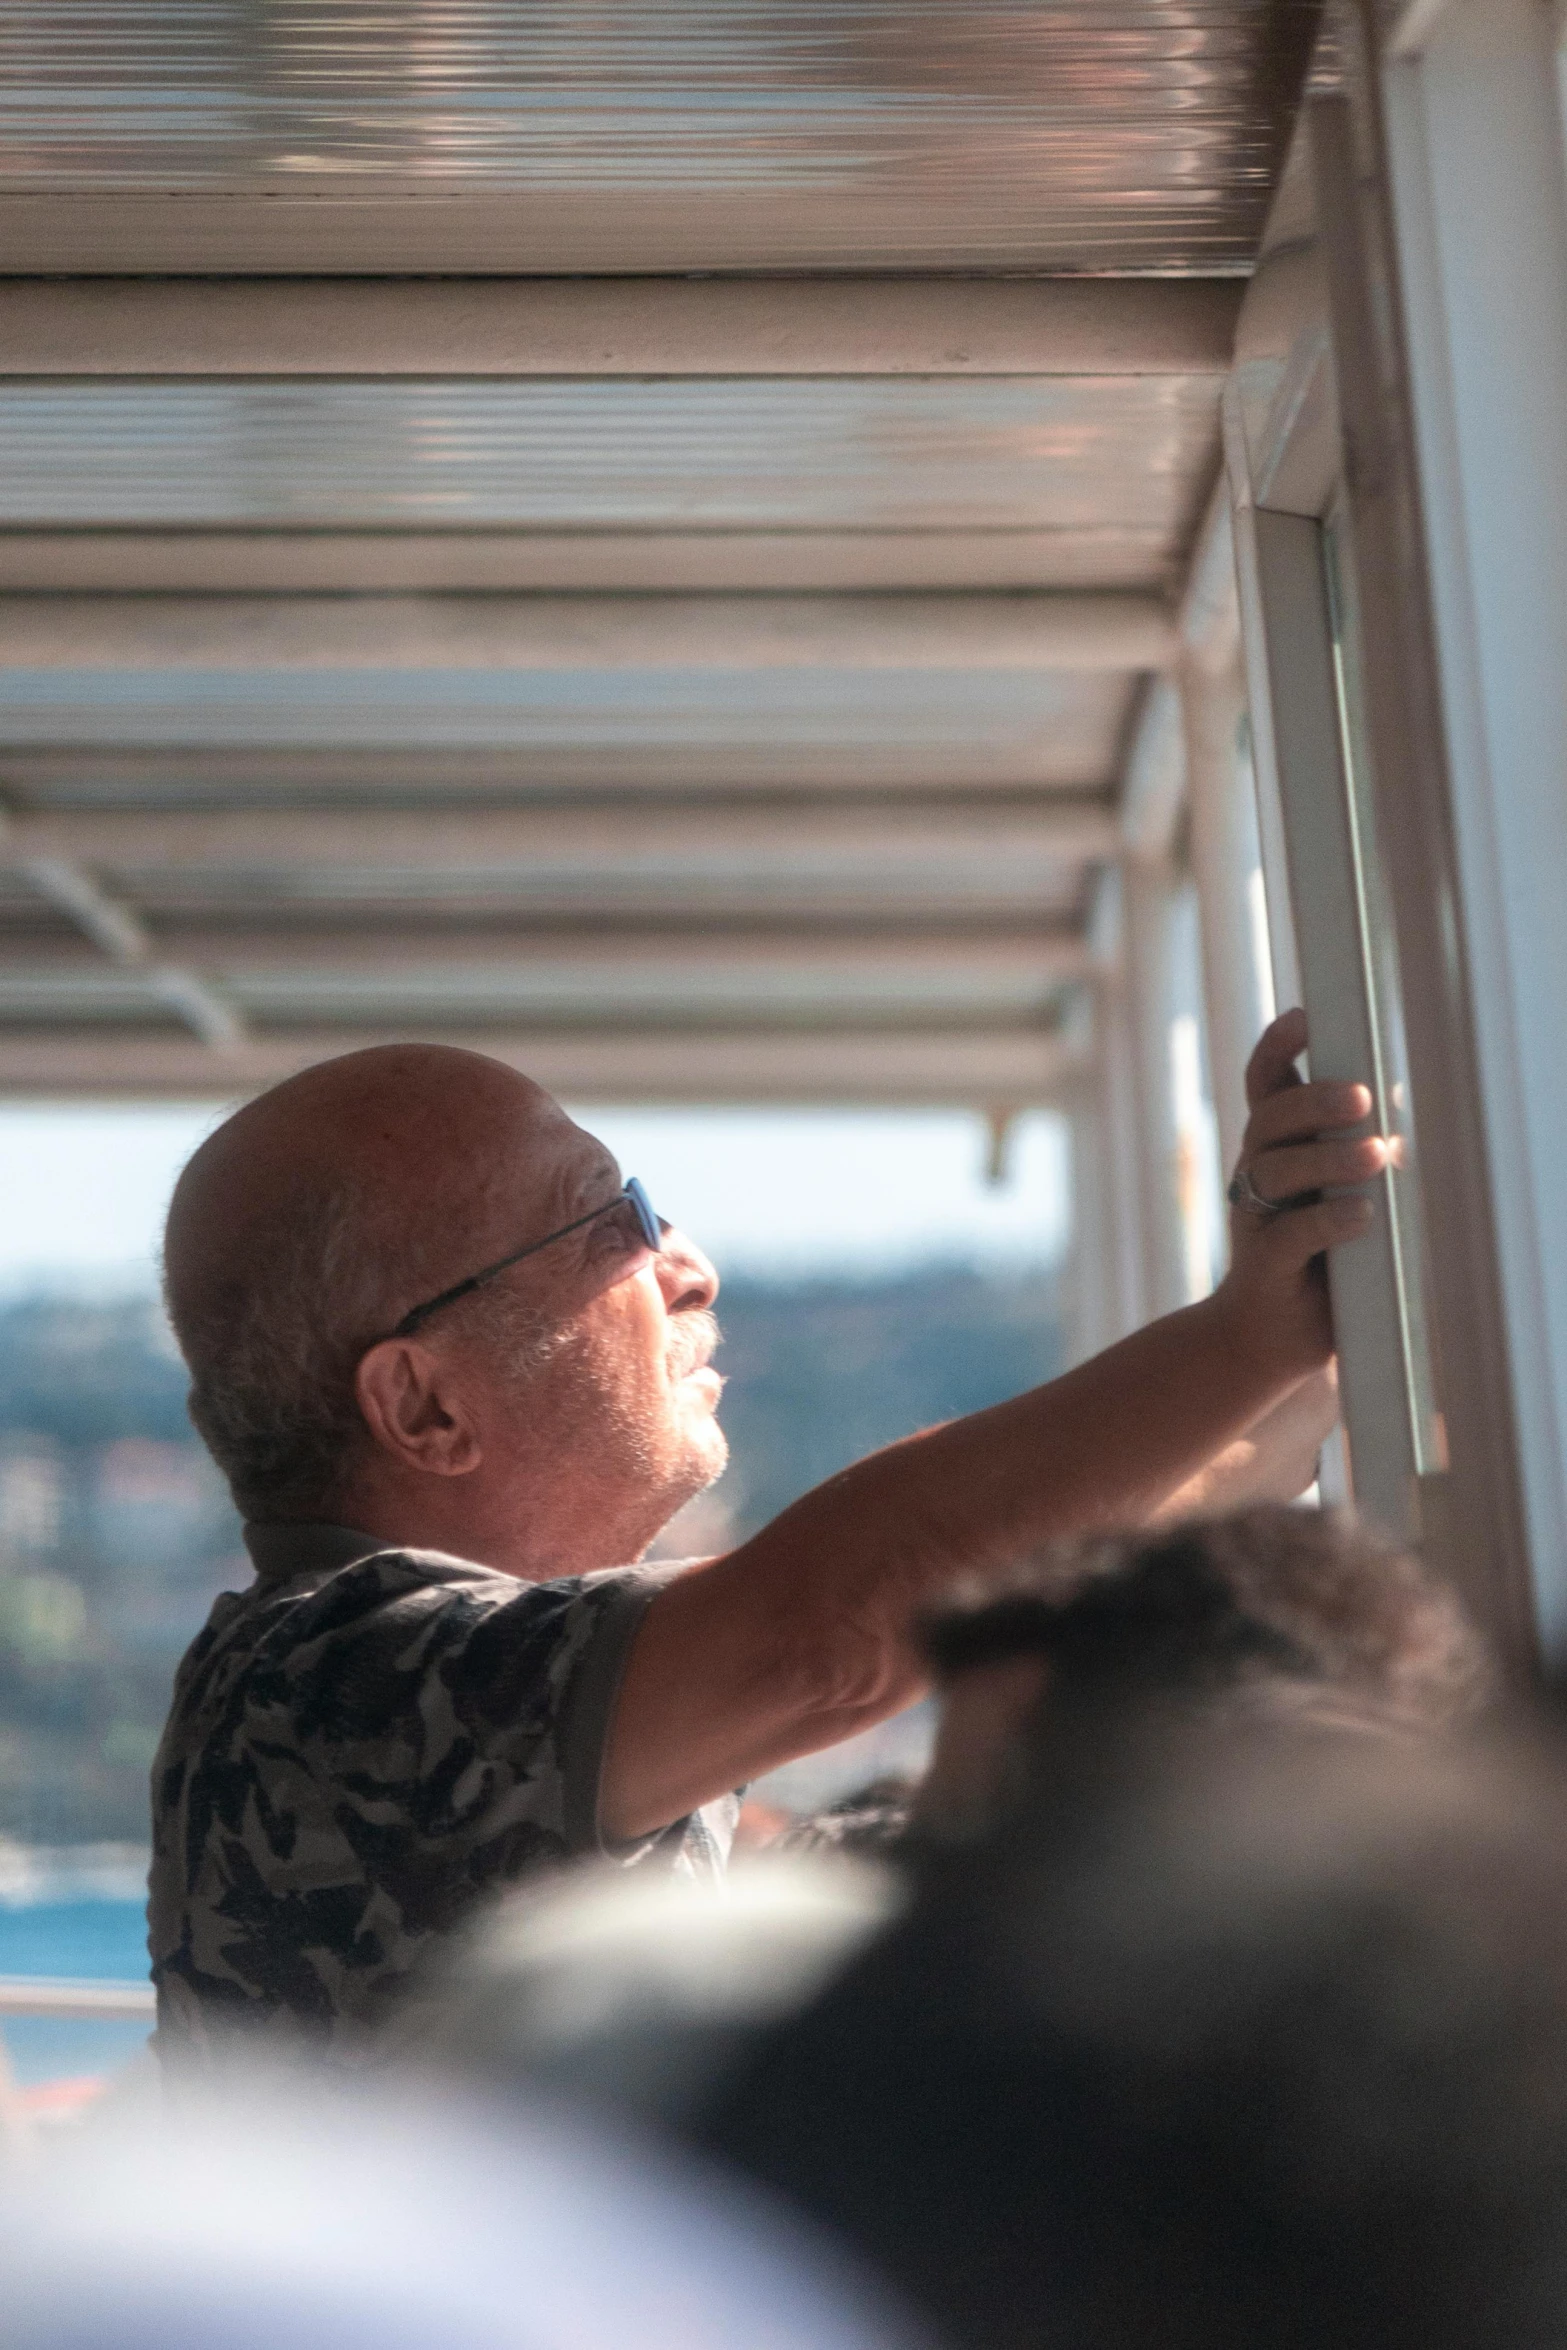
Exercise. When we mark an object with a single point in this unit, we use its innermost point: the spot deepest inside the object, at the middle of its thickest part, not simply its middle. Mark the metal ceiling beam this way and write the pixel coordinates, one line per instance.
(511, 327)
(246, 634)
(120, 935)
(988, 893)
(968, 1069)
(729, 837)
(885, 195)
(99, 920)
(551, 773)
(575, 1002)
(626, 956)
(379, 562)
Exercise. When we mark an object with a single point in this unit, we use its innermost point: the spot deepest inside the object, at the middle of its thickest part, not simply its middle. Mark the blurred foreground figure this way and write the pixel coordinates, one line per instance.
(458, 1375)
(1302, 1615)
(286, 2222)
(638, 1993)
(1259, 2039)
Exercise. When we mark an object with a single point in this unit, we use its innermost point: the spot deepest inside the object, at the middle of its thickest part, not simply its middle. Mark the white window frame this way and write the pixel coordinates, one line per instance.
(1478, 187)
(1427, 392)
(1281, 494)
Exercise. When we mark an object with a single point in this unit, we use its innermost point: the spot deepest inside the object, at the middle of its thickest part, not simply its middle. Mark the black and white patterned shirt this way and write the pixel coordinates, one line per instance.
(363, 1746)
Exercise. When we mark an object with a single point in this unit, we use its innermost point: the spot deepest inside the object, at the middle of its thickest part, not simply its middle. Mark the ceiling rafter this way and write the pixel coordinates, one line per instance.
(729, 835)
(914, 1068)
(269, 560)
(248, 634)
(121, 936)
(606, 326)
(622, 954)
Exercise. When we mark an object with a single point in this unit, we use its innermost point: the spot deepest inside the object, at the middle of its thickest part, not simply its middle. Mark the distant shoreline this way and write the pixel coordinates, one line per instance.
(33, 1874)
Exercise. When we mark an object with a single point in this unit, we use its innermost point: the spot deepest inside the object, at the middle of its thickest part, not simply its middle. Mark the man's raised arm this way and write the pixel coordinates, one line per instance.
(800, 1637)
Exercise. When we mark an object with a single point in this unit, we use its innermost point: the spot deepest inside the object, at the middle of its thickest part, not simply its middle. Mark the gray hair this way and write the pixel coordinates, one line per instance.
(273, 1351)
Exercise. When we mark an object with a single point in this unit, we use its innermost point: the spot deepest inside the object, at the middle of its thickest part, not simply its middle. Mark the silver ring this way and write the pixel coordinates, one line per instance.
(1243, 1193)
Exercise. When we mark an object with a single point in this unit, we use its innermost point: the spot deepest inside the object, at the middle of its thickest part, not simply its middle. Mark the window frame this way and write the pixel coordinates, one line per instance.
(1305, 820)
(1357, 422)
(1469, 194)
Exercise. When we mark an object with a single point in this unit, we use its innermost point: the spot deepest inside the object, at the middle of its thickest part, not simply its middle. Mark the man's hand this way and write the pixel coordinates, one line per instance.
(1296, 1148)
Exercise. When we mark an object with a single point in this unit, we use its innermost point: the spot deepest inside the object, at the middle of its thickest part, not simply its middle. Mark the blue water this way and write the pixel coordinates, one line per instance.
(98, 1940)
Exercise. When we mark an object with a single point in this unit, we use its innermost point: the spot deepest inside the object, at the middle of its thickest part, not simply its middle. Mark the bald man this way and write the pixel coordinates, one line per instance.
(458, 1377)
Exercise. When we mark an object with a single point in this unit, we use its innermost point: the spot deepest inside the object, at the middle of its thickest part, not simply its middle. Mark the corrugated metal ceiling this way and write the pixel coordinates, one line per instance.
(1119, 452)
(860, 871)
(1060, 134)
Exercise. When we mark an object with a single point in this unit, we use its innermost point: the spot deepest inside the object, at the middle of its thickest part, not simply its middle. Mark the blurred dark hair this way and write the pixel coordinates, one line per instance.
(1271, 1595)
(1267, 2046)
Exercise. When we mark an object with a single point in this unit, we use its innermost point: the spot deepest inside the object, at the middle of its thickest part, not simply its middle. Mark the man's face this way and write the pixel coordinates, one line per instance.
(648, 1341)
(622, 1387)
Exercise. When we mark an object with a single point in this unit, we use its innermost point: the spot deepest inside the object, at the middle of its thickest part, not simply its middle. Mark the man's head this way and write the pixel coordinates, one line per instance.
(1274, 1610)
(551, 1420)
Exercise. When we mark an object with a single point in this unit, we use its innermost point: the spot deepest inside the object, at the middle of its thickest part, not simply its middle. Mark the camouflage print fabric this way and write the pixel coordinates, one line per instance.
(362, 1746)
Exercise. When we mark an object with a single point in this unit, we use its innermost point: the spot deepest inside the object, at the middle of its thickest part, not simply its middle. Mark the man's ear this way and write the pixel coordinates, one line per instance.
(414, 1409)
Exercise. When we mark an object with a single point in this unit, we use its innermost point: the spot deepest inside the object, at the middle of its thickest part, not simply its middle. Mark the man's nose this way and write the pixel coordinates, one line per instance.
(687, 1278)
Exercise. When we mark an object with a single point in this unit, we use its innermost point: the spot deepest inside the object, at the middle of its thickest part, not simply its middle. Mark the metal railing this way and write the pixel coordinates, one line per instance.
(57, 1996)
(54, 1995)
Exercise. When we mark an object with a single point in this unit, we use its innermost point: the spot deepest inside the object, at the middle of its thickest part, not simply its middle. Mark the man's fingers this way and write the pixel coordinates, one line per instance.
(1316, 1166)
(1272, 1066)
(1303, 1233)
(1303, 1112)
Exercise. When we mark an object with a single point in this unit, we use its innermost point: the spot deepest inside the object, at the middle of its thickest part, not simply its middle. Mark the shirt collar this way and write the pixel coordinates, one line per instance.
(306, 1546)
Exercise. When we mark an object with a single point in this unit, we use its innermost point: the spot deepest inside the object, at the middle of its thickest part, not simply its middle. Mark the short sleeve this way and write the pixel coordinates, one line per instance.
(533, 1680)
(494, 1698)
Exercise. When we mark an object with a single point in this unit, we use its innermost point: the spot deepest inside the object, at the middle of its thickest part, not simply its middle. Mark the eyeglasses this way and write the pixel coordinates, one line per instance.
(648, 1227)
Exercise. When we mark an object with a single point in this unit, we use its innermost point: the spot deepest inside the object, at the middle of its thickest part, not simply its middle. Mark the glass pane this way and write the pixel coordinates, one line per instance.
(1390, 1079)
(1261, 935)
(1199, 1183)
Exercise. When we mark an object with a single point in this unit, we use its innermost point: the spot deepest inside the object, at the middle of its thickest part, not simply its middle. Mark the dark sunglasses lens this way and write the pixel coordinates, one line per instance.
(645, 1216)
